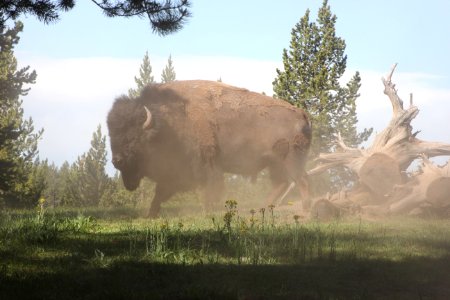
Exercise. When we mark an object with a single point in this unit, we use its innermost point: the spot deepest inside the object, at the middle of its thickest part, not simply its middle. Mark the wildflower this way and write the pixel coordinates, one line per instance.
(243, 226)
(40, 208)
(262, 211)
(271, 207)
(228, 217)
(231, 204)
(41, 201)
(252, 218)
(164, 225)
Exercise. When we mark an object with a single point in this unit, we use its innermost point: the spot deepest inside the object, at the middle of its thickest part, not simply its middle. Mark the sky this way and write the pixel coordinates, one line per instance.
(85, 60)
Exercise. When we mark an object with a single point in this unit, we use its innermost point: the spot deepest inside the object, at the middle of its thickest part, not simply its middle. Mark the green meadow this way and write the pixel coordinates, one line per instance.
(254, 254)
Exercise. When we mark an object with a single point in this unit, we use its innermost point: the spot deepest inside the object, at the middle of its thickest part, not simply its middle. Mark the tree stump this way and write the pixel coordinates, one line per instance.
(438, 191)
(380, 173)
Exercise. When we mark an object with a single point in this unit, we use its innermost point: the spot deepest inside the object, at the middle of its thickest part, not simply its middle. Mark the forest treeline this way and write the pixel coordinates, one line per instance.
(84, 182)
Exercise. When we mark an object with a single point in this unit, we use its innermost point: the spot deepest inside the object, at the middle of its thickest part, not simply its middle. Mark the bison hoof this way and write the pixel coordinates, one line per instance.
(152, 214)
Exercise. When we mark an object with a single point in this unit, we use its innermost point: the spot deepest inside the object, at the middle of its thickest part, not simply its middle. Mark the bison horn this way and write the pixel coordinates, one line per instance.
(148, 120)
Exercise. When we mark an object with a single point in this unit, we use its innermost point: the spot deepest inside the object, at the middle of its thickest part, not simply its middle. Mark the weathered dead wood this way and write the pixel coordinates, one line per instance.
(380, 173)
(431, 186)
(384, 187)
(325, 210)
(396, 143)
(426, 193)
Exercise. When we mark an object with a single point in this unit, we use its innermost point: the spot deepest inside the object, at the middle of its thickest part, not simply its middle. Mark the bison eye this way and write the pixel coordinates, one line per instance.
(118, 162)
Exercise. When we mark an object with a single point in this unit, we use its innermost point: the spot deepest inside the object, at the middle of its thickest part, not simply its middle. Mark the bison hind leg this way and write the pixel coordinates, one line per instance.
(280, 180)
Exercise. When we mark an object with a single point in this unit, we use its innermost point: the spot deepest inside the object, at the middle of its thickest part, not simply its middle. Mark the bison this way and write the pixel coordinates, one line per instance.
(187, 134)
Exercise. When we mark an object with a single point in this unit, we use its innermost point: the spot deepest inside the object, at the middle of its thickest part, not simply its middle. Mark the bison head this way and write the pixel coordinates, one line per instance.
(130, 128)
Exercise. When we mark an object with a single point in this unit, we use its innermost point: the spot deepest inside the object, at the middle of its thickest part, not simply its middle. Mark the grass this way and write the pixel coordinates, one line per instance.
(114, 254)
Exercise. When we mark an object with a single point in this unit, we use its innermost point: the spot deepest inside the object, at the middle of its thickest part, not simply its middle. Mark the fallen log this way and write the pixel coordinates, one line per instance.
(430, 186)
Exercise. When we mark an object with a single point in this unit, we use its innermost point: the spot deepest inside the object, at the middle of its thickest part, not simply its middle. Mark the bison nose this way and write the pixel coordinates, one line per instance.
(117, 162)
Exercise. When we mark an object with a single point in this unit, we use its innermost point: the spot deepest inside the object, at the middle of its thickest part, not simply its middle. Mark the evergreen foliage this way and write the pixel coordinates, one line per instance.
(29, 192)
(165, 16)
(313, 66)
(53, 184)
(145, 77)
(86, 183)
(168, 74)
(90, 170)
(116, 195)
(68, 185)
(18, 139)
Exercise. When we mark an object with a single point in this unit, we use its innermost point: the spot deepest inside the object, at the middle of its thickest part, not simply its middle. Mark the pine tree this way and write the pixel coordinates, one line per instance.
(91, 166)
(168, 74)
(18, 141)
(69, 181)
(145, 77)
(33, 189)
(310, 80)
(53, 185)
(165, 16)
(72, 182)
(312, 68)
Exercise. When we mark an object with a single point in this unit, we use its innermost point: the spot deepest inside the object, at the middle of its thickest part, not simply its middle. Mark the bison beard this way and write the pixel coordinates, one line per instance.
(186, 134)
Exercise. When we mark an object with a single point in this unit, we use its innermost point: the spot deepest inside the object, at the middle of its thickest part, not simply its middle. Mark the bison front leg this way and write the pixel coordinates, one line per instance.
(279, 191)
(303, 186)
(285, 174)
(162, 194)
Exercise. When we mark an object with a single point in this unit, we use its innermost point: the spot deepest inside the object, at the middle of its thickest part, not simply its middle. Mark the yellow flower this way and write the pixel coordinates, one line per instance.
(41, 200)
(164, 225)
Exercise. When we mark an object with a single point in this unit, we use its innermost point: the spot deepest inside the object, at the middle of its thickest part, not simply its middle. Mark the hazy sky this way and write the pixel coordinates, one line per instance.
(85, 60)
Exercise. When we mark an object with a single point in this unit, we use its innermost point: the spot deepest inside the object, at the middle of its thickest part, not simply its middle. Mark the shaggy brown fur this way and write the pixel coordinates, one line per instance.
(201, 129)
